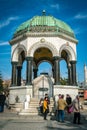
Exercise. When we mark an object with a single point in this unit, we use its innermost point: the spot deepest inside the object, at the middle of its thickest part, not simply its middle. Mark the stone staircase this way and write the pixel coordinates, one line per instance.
(34, 107)
(16, 107)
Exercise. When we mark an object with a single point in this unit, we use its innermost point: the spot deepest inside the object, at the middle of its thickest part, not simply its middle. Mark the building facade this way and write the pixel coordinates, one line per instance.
(85, 75)
(42, 38)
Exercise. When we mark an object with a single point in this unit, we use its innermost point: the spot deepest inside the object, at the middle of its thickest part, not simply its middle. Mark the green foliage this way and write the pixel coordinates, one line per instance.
(63, 81)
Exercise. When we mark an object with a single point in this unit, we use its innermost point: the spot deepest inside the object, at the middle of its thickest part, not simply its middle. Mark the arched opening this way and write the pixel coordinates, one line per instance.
(23, 74)
(63, 73)
(21, 68)
(42, 68)
(44, 82)
(45, 67)
(63, 68)
(41, 55)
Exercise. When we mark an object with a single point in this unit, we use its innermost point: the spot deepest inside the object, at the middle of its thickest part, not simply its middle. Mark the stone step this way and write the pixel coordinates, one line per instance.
(26, 114)
(29, 110)
(18, 104)
(34, 99)
(34, 107)
(33, 103)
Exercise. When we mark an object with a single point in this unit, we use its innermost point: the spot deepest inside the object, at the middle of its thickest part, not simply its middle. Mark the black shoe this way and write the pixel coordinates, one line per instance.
(80, 123)
(74, 122)
(62, 121)
(45, 119)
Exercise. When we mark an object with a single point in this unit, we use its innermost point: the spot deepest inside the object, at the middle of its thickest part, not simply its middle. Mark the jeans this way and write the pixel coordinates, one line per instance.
(1, 108)
(61, 115)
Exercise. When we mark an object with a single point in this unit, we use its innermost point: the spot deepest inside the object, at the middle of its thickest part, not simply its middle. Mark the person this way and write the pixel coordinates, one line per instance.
(61, 107)
(68, 99)
(7, 102)
(76, 104)
(56, 101)
(2, 101)
(41, 105)
(57, 97)
(48, 99)
(69, 102)
(45, 108)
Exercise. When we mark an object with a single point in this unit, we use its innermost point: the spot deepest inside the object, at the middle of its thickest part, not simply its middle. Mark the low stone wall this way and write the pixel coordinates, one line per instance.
(19, 93)
(62, 89)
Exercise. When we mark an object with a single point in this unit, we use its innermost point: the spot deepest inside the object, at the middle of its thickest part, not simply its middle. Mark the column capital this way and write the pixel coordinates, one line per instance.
(19, 66)
(73, 62)
(35, 68)
(29, 58)
(14, 62)
(56, 58)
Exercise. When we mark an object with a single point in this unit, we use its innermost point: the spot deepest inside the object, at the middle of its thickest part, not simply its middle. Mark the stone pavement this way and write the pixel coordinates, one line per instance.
(12, 121)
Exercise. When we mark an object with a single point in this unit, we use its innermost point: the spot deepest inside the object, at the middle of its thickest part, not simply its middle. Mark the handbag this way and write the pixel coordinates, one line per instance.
(71, 109)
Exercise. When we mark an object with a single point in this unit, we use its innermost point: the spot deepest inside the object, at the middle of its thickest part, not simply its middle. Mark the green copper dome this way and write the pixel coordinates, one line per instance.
(44, 24)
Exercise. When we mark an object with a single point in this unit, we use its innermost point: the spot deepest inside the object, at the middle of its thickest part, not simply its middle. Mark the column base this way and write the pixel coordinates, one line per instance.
(28, 83)
(58, 83)
(13, 85)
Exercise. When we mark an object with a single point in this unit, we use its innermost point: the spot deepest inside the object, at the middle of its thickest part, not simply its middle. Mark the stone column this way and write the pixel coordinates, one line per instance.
(35, 72)
(69, 75)
(19, 75)
(29, 70)
(53, 71)
(56, 70)
(73, 70)
(14, 73)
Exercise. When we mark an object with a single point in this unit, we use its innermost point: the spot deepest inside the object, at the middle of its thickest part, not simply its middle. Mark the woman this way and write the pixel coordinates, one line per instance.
(45, 107)
(41, 105)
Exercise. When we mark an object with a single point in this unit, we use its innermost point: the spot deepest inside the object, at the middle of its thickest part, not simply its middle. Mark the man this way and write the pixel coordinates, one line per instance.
(61, 107)
(76, 105)
(57, 97)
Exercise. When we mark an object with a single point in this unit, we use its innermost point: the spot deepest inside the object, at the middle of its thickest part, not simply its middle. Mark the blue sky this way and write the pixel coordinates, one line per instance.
(15, 12)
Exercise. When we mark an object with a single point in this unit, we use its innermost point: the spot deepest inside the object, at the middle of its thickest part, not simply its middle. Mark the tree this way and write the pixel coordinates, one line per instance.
(1, 82)
(63, 81)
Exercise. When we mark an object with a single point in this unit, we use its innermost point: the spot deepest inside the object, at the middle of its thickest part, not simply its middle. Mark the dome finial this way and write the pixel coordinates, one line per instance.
(44, 13)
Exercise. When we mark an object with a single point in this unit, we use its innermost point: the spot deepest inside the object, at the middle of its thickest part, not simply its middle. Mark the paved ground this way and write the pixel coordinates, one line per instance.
(12, 121)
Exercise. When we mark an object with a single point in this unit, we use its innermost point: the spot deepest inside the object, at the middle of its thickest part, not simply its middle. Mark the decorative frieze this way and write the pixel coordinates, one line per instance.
(46, 44)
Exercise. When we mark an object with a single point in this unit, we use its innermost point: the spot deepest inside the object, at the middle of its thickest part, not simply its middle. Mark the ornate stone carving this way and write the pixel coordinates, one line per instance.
(42, 40)
(16, 51)
(69, 50)
(46, 44)
(67, 43)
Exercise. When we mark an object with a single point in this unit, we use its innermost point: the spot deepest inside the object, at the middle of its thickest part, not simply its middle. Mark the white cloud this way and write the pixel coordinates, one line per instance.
(80, 16)
(56, 6)
(4, 43)
(7, 22)
(77, 31)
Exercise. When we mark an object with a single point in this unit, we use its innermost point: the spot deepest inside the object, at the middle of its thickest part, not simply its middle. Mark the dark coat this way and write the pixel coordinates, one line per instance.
(2, 99)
